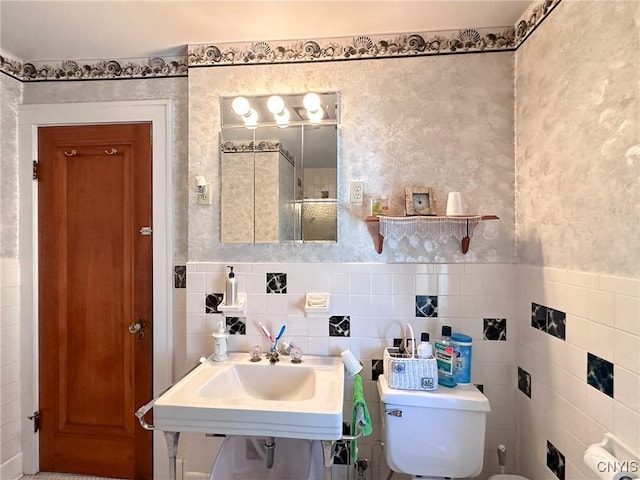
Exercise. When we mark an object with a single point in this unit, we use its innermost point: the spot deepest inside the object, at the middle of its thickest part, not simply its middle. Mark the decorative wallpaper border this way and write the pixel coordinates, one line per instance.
(120, 69)
(261, 146)
(352, 48)
(469, 40)
(533, 17)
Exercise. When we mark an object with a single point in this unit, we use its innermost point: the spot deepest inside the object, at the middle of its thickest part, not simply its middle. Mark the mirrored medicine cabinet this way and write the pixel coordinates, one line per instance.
(278, 166)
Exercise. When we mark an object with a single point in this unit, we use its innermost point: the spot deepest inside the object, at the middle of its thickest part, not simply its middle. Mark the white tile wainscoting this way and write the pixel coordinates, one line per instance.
(370, 304)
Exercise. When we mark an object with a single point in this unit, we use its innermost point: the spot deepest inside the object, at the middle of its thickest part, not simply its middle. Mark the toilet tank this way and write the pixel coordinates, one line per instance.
(439, 433)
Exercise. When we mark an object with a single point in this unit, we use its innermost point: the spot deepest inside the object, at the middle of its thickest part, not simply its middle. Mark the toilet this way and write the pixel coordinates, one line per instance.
(434, 434)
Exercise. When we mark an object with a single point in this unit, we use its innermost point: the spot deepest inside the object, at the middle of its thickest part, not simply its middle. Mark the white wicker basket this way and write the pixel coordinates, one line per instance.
(405, 371)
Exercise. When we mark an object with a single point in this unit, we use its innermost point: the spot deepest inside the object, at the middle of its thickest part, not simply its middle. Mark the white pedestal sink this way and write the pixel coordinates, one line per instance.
(238, 397)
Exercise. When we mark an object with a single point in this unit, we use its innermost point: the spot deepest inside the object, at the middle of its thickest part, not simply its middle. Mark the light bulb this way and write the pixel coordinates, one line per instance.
(311, 102)
(316, 116)
(282, 118)
(251, 118)
(240, 105)
(275, 104)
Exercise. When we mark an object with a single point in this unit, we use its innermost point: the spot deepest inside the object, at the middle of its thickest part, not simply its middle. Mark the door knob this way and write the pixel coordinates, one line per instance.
(137, 328)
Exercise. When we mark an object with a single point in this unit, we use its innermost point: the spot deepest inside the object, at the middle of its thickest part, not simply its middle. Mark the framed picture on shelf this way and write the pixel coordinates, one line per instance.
(419, 201)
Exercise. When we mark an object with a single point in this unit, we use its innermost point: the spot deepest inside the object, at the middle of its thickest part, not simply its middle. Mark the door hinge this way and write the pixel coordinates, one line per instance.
(35, 170)
(146, 231)
(35, 418)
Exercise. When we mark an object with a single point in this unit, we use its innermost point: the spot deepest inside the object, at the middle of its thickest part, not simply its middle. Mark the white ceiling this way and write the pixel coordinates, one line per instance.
(94, 29)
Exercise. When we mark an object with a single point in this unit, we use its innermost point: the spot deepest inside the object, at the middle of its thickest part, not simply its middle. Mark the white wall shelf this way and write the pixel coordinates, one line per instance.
(461, 227)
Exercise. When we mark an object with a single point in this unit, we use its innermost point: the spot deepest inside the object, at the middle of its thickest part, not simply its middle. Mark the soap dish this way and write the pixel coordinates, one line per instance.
(316, 303)
(239, 309)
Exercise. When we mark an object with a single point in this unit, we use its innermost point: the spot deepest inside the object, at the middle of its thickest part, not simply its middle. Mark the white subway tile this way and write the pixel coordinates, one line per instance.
(318, 327)
(427, 284)
(404, 284)
(627, 351)
(318, 281)
(339, 283)
(627, 426)
(276, 304)
(195, 302)
(297, 282)
(318, 345)
(360, 305)
(627, 387)
(381, 284)
(583, 279)
(449, 284)
(359, 284)
(339, 304)
(255, 283)
(450, 268)
(620, 285)
(600, 407)
(381, 305)
(600, 340)
(627, 313)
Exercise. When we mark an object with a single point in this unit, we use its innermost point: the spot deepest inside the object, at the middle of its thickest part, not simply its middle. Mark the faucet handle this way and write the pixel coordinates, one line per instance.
(296, 355)
(255, 353)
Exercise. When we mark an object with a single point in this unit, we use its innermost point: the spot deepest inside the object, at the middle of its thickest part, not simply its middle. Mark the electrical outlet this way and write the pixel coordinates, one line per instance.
(205, 197)
(356, 192)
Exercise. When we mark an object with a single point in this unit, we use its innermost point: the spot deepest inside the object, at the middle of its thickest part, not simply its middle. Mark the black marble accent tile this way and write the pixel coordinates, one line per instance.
(495, 329)
(180, 276)
(480, 387)
(377, 368)
(524, 382)
(426, 306)
(555, 461)
(276, 283)
(600, 374)
(339, 326)
(342, 453)
(556, 323)
(539, 317)
(236, 325)
(397, 342)
(212, 301)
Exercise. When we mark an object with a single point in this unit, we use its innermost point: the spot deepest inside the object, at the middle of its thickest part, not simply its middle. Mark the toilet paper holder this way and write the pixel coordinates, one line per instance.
(610, 459)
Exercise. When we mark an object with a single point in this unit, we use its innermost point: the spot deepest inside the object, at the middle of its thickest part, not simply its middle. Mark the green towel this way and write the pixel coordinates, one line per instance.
(361, 420)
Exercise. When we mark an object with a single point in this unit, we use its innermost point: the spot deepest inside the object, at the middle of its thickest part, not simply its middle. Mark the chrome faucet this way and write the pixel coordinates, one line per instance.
(273, 355)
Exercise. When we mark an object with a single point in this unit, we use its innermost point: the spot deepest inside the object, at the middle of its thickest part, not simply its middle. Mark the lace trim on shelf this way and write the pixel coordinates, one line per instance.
(428, 227)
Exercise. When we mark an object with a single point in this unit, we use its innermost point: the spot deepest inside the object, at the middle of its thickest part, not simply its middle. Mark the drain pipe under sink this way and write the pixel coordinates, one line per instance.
(270, 450)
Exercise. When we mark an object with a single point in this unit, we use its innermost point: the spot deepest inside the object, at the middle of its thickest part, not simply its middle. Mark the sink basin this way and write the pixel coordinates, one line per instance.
(238, 397)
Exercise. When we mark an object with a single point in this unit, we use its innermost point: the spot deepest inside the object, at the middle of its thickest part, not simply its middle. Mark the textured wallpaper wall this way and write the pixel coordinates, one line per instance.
(10, 97)
(577, 140)
(445, 122)
(174, 89)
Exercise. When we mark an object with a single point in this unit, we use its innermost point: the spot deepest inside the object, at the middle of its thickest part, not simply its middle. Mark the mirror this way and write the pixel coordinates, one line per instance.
(278, 168)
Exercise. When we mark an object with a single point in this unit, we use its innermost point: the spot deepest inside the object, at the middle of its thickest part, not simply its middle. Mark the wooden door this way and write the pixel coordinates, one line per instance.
(95, 280)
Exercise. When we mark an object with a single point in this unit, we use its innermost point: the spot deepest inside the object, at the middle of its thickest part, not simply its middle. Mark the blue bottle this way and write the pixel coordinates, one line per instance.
(463, 358)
